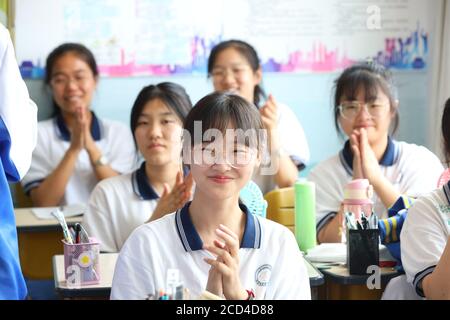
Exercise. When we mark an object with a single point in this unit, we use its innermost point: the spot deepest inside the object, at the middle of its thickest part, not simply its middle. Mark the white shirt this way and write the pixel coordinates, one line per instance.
(17, 111)
(112, 138)
(117, 206)
(425, 234)
(292, 142)
(18, 131)
(270, 262)
(412, 169)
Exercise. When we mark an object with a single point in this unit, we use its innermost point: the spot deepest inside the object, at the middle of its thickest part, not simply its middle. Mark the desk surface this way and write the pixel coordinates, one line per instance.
(103, 289)
(340, 274)
(27, 221)
(107, 265)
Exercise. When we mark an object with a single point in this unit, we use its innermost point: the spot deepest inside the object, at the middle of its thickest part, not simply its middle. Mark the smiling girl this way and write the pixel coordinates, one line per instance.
(75, 149)
(214, 241)
(365, 109)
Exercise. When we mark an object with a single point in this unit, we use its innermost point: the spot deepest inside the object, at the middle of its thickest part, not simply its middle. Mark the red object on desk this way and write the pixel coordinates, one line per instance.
(387, 264)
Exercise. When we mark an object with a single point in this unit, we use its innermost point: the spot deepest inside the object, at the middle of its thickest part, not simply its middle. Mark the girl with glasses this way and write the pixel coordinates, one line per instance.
(234, 66)
(214, 242)
(75, 148)
(366, 112)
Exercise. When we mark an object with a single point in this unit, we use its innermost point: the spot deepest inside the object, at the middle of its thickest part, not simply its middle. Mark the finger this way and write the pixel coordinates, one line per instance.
(218, 266)
(166, 190)
(179, 179)
(228, 231)
(222, 255)
(231, 242)
(189, 181)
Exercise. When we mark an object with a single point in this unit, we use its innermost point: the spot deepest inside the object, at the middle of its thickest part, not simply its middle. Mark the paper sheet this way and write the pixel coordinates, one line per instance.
(69, 211)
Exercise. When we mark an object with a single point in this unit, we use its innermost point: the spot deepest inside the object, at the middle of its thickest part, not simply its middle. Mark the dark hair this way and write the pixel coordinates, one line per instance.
(249, 54)
(218, 110)
(171, 94)
(76, 48)
(445, 127)
(370, 77)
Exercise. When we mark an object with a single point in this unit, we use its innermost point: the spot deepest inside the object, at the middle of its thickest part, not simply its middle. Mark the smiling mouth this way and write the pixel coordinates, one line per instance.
(153, 146)
(220, 179)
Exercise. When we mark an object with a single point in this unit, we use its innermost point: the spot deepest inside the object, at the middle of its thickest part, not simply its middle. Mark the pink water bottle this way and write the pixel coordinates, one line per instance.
(358, 198)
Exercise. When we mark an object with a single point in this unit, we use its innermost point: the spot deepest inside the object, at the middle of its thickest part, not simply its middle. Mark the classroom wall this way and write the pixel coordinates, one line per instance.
(309, 95)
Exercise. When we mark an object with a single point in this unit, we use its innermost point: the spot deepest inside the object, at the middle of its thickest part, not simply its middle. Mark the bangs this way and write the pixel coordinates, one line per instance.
(361, 81)
(225, 114)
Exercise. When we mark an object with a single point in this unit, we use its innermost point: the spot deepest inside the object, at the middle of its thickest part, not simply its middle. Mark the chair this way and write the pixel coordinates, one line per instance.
(281, 206)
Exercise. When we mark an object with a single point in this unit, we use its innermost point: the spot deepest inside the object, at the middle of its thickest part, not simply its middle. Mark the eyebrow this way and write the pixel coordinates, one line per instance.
(61, 73)
(238, 64)
(162, 114)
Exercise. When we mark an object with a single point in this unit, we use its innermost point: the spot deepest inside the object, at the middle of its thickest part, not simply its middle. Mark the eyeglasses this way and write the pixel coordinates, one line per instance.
(350, 109)
(238, 157)
(63, 80)
(221, 73)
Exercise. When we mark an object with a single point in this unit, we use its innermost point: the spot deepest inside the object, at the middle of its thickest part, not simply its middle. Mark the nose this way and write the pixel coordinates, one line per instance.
(154, 131)
(229, 79)
(71, 84)
(363, 112)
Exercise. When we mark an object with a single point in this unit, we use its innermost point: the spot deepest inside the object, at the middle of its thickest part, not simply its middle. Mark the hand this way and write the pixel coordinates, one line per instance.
(214, 284)
(369, 163)
(172, 200)
(269, 114)
(89, 142)
(227, 263)
(77, 134)
(357, 165)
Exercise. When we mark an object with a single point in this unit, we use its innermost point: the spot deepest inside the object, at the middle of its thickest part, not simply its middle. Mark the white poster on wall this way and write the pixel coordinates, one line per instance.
(162, 37)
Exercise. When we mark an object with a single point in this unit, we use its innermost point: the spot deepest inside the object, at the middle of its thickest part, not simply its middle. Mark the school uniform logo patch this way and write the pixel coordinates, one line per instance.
(262, 275)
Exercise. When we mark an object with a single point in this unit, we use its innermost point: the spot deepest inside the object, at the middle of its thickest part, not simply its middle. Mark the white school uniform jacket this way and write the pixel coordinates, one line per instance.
(412, 169)
(18, 131)
(270, 262)
(112, 138)
(292, 142)
(425, 235)
(117, 206)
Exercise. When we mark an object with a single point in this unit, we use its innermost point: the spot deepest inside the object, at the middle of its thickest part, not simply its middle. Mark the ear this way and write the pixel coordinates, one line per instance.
(395, 107)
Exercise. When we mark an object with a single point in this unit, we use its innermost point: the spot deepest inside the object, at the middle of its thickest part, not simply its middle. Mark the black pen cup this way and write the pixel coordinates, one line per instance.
(362, 250)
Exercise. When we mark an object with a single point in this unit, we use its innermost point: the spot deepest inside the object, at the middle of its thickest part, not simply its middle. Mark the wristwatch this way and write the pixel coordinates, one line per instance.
(102, 161)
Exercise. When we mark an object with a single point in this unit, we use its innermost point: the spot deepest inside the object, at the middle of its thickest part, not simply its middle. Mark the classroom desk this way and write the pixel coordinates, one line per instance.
(340, 285)
(107, 265)
(39, 240)
(98, 291)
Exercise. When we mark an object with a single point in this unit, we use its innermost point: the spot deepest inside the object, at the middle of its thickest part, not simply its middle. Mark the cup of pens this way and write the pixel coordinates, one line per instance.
(81, 258)
(81, 263)
(363, 238)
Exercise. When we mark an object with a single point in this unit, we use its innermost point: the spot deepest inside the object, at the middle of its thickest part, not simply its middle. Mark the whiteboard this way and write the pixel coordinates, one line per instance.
(164, 37)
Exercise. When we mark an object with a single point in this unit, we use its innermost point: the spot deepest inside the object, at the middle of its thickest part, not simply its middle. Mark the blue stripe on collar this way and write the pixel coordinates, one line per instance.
(191, 239)
(446, 189)
(387, 160)
(64, 133)
(141, 185)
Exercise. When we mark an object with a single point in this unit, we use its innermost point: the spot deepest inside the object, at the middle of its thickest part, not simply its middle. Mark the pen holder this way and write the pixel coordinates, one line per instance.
(81, 263)
(362, 250)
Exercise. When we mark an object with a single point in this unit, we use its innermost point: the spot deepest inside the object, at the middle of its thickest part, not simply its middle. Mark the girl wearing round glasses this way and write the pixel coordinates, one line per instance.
(366, 111)
(214, 241)
(120, 204)
(234, 66)
(75, 149)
